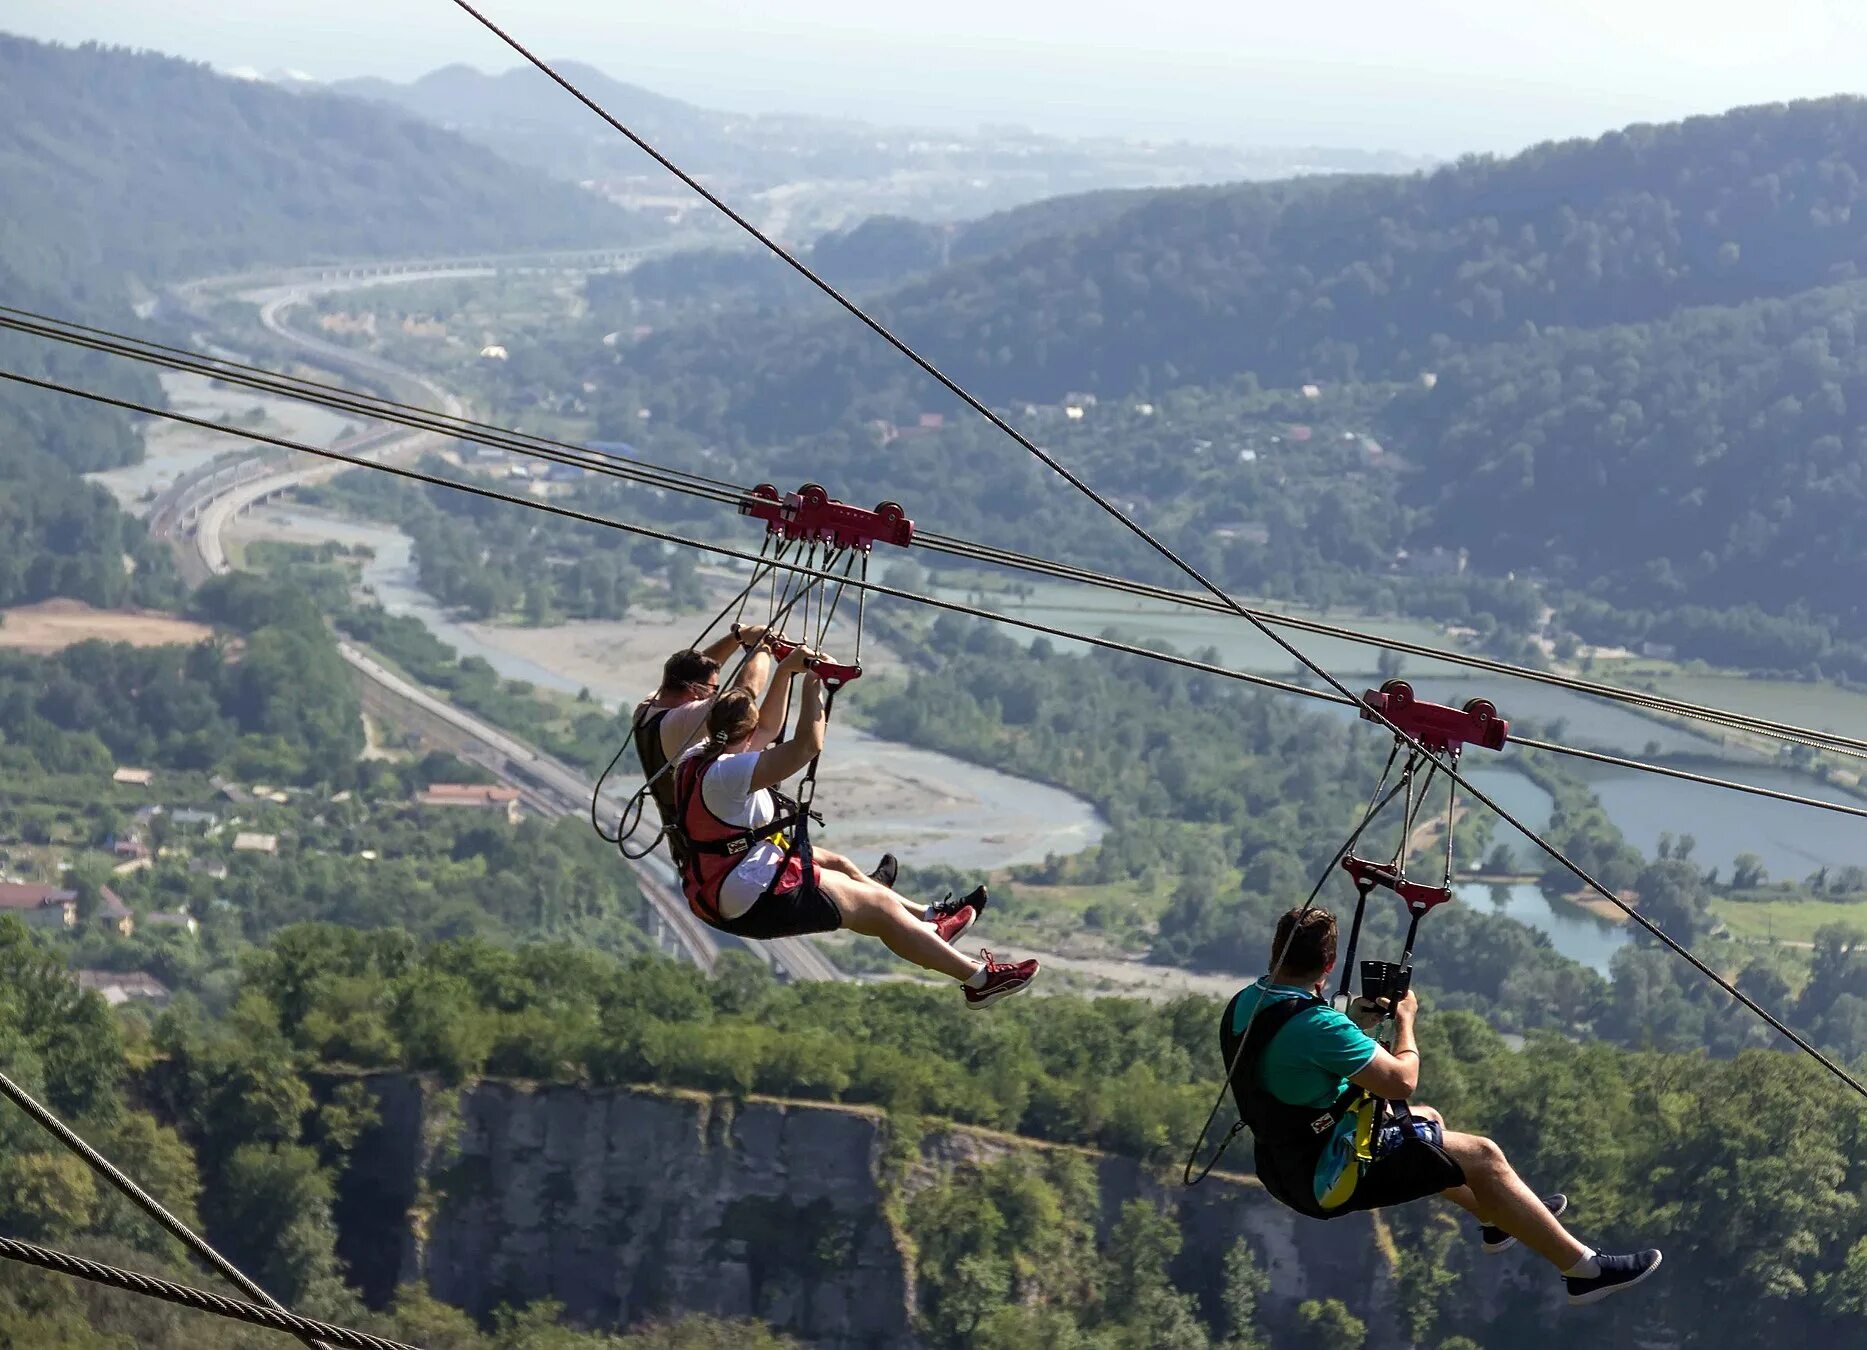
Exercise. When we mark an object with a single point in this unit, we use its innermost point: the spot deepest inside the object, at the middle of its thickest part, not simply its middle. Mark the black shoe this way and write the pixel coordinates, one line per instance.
(947, 906)
(1617, 1273)
(1497, 1240)
(885, 870)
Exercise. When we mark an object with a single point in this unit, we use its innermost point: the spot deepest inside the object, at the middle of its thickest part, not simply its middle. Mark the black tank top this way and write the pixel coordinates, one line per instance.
(654, 762)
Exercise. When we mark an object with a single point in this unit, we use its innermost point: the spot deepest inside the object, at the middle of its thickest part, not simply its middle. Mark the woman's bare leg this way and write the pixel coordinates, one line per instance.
(836, 862)
(870, 908)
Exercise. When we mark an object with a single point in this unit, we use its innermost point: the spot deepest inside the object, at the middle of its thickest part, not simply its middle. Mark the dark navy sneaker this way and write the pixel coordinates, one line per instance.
(885, 870)
(1497, 1240)
(1617, 1273)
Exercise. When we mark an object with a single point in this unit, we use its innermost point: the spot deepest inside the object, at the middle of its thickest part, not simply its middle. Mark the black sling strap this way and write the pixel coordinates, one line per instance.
(1289, 1138)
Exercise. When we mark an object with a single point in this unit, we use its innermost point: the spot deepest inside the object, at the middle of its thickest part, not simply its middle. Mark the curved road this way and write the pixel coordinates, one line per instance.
(550, 786)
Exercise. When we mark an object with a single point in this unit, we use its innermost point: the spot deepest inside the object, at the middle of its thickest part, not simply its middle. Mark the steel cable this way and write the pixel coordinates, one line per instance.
(721, 492)
(137, 1196)
(306, 1329)
(1127, 522)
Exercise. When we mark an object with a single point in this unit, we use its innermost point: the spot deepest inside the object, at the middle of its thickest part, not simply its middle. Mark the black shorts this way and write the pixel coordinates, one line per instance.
(1410, 1163)
(792, 912)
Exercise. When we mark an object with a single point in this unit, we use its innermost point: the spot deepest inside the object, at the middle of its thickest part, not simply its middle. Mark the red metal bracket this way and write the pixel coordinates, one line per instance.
(812, 514)
(836, 674)
(1434, 725)
(1418, 896)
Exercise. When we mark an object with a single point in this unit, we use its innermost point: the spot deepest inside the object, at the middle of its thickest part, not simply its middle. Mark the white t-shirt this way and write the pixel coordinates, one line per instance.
(726, 790)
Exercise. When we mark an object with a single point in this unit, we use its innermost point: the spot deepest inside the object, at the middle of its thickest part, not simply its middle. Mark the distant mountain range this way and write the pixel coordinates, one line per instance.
(117, 164)
(121, 170)
(809, 174)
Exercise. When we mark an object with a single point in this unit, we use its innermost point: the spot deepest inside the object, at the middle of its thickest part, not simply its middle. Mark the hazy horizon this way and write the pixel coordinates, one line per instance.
(1431, 80)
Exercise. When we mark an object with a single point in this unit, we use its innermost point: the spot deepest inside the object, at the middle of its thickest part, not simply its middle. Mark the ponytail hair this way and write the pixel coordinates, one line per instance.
(732, 718)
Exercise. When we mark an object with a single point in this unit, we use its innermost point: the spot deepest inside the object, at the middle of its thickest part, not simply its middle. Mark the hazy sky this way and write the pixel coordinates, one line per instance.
(1439, 76)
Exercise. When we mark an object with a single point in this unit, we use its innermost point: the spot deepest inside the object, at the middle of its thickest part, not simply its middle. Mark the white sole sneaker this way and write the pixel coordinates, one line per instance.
(1609, 1290)
(1002, 992)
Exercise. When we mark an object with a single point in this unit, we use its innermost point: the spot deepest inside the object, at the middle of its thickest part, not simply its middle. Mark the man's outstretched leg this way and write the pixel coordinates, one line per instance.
(1495, 1238)
(1498, 1197)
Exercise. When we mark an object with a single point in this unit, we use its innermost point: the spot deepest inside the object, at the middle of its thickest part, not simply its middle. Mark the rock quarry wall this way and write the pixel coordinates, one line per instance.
(624, 1203)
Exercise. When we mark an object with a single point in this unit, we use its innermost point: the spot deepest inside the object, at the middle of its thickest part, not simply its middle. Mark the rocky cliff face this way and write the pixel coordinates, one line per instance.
(623, 1203)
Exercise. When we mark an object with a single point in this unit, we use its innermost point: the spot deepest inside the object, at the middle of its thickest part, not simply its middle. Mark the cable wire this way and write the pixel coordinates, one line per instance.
(137, 1196)
(680, 481)
(368, 405)
(914, 597)
(307, 1329)
(1812, 737)
(1141, 532)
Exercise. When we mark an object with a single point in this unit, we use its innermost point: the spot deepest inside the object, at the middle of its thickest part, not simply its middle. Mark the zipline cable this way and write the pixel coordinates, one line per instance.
(898, 593)
(1811, 737)
(1212, 588)
(307, 1329)
(1507, 817)
(346, 400)
(881, 330)
(137, 1196)
(680, 481)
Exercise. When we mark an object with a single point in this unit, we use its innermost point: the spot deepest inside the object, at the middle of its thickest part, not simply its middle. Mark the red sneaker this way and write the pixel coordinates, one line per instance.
(951, 925)
(1002, 979)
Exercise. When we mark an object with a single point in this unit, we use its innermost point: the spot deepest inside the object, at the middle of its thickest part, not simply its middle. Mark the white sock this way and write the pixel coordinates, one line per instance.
(976, 980)
(1585, 1269)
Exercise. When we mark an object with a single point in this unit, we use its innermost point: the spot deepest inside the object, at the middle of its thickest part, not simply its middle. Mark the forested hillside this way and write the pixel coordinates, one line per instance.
(876, 253)
(1643, 344)
(1601, 451)
(1341, 279)
(116, 163)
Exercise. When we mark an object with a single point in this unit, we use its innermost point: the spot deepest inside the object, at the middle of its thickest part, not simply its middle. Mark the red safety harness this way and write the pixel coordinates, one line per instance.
(714, 847)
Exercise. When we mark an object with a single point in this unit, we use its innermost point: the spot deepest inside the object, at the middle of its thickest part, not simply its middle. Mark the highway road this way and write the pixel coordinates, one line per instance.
(212, 502)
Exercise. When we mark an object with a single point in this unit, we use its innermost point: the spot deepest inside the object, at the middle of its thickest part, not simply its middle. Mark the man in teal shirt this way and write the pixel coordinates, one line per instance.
(1327, 1106)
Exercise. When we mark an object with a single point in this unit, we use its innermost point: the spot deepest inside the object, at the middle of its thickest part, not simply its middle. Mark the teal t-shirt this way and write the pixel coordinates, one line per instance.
(1308, 1063)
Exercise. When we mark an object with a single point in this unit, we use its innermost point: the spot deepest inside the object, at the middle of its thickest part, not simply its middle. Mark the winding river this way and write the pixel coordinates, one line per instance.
(926, 806)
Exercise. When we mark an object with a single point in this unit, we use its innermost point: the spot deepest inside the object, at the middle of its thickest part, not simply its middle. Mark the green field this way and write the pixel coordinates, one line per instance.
(1792, 919)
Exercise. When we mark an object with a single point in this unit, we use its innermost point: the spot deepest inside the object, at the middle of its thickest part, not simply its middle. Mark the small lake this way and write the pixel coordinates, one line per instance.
(1572, 930)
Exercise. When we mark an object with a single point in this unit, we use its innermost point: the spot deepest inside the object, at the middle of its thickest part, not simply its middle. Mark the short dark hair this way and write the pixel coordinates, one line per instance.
(1305, 941)
(685, 670)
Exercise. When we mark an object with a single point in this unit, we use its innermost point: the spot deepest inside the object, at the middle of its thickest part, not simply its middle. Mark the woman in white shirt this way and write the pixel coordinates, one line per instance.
(746, 875)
